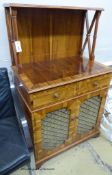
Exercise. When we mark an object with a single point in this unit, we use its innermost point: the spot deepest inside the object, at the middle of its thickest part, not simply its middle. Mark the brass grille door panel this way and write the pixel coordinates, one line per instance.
(88, 115)
(55, 128)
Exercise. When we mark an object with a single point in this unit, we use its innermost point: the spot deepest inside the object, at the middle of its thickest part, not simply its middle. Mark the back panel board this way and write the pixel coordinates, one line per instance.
(49, 34)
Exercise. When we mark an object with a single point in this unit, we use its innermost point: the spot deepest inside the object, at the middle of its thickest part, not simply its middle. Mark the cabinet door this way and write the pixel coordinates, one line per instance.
(54, 128)
(90, 112)
(63, 124)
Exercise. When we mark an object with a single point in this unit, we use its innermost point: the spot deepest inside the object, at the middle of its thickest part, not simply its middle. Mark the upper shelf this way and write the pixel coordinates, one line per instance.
(51, 7)
(50, 32)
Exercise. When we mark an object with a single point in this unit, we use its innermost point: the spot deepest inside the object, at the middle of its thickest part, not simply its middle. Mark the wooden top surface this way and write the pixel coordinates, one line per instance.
(47, 74)
(51, 6)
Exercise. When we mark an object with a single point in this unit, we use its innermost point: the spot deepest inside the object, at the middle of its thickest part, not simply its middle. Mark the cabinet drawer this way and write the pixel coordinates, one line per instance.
(93, 84)
(53, 95)
(50, 96)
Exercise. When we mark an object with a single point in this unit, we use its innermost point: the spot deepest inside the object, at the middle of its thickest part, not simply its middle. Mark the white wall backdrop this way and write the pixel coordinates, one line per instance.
(104, 40)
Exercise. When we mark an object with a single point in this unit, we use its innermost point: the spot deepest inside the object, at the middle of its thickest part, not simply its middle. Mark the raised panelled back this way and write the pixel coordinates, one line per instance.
(67, 33)
(40, 34)
(24, 34)
(33, 32)
(49, 33)
(55, 128)
(88, 115)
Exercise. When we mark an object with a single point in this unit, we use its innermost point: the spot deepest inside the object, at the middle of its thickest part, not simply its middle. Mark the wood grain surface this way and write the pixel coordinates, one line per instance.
(61, 90)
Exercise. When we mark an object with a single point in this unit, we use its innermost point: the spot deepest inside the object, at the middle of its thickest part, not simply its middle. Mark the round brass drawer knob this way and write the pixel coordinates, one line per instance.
(56, 95)
(95, 84)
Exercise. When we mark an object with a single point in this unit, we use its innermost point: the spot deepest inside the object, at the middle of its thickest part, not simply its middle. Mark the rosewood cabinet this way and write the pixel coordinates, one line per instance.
(63, 93)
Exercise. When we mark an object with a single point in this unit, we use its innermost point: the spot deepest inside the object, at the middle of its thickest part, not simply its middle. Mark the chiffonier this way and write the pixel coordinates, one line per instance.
(62, 91)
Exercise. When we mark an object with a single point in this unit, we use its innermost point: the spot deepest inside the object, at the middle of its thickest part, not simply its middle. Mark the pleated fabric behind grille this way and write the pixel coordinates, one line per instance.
(88, 114)
(55, 128)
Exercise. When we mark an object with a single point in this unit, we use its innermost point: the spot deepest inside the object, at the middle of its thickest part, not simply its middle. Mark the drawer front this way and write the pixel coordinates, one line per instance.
(53, 95)
(47, 97)
(92, 84)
